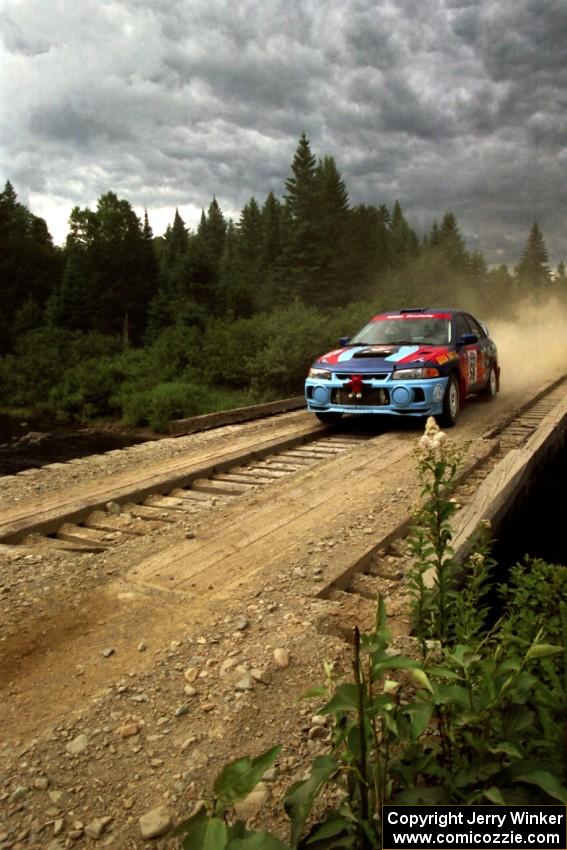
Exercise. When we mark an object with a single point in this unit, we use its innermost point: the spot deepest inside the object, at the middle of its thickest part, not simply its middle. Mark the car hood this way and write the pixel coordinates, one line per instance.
(362, 359)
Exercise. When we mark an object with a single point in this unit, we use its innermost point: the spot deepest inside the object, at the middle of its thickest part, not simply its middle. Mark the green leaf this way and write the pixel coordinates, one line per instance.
(206, 834)
(543, 650)
(240, 777)
(506, 749)
(300, 797)
(314, 692)
(420, 715)
(331, 828)
(395, 662)
(345, 698)
(422, 679)
(257, 841)
(451, 695)
(494, 794)
(444, 673)
(547, 782)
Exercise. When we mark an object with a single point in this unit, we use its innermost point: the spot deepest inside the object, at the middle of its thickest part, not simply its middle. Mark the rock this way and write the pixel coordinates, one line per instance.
(108, 652)
(281, 657)
(58, 825)
(96, 827)
(318, 720)
(191, 674)
(155, 823)
(181, 710)
(263, 676)
(189, 691)
(270, 775)
(78, 745)
(251, 805)
(317, 732)
(141, 647)
(244, 684)
(113, 508)
(190, 535)
(242, 624)
(55, 845)
(18, 793)
(129, 729)
(41, 783)
(58, 798)
(227, 665)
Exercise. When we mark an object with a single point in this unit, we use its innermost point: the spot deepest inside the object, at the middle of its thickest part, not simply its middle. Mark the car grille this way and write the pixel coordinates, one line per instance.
(370, 396)
(378, 376)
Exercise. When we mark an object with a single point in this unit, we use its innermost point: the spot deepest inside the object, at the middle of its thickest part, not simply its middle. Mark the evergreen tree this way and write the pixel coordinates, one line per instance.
(403, 240)
(30, 265)
(452, 245)
(108, 270)
(533, 272)
(334, 281)
(368, 248)
(301, 239)
(561, 275)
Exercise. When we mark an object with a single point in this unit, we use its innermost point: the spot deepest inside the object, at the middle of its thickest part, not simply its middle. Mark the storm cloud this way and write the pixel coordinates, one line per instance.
(442, 104)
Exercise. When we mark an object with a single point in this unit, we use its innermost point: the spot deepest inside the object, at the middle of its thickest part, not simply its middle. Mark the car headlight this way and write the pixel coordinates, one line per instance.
(415, 374)
(320, 373)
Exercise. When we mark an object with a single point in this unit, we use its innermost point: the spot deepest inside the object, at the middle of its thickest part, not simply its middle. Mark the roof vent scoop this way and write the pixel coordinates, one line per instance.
(414, 309)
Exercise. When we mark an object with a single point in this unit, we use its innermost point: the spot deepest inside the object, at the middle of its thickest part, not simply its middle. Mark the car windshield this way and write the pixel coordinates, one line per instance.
(405, 330)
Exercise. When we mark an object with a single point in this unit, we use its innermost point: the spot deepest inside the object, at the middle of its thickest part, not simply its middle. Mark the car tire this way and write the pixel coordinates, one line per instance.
(489, 391)
(329, 418)
(451, 404)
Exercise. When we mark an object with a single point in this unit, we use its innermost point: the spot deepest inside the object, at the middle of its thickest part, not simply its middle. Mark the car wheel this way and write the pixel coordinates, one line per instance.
(489, 391)
(329, 418)
(451, 404)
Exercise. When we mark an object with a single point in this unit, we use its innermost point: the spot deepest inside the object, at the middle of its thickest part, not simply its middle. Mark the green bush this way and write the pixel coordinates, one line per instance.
(159, 405)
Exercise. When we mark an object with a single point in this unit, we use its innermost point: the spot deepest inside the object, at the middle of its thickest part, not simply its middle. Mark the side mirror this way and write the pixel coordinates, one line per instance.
(468, 339)
(344, 340)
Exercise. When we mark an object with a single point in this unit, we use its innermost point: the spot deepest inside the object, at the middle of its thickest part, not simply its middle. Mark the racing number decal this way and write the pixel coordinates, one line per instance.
(472, 356)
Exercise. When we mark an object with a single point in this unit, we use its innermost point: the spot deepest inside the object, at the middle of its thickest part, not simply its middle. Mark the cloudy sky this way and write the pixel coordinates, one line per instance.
(454, 105)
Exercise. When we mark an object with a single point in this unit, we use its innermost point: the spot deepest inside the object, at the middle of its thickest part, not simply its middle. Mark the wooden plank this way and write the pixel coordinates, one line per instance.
(497, 493)
(45, 514)
(230, 417)
(225, 547)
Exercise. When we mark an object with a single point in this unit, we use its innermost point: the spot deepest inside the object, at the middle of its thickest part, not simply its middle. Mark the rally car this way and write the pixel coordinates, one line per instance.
(417, 361)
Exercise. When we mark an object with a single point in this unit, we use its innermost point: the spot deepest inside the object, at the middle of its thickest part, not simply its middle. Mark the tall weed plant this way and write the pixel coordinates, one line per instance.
(474, 719)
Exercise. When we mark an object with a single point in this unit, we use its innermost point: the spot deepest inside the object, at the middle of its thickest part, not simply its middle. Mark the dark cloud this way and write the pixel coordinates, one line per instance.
(442, 104)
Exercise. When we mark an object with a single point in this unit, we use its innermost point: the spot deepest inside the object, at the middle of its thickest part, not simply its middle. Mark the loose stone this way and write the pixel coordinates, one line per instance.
(281, 657)
(77, 745)
(251, 805)
(155, 823)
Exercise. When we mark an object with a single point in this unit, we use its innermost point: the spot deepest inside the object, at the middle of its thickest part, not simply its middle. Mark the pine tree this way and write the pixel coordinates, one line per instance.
(108, 256)
(30, 265)
(333, 280)
(301, 239)
(533, 272)
(561, 275)
(403, 240)
(452, 245)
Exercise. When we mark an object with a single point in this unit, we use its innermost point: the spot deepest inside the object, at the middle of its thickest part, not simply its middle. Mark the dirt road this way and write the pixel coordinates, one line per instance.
(130, 676)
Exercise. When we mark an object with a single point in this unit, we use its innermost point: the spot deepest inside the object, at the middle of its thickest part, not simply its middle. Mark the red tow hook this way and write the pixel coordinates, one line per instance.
(355, 386)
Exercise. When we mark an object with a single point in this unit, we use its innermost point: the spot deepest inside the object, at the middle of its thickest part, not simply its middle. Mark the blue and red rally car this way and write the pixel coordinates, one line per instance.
(413, 362)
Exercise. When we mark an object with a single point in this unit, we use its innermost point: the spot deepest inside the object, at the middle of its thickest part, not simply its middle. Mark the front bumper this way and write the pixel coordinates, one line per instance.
(397, 398)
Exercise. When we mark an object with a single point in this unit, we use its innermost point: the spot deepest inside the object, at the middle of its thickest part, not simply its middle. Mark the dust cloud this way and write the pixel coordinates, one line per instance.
(532, 344)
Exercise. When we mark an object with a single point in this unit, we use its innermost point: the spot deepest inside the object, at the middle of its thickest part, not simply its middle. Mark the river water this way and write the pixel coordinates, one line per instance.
(29, 443)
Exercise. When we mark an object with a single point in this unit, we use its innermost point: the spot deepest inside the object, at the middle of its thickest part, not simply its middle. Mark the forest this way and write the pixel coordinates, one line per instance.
(121, 324)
